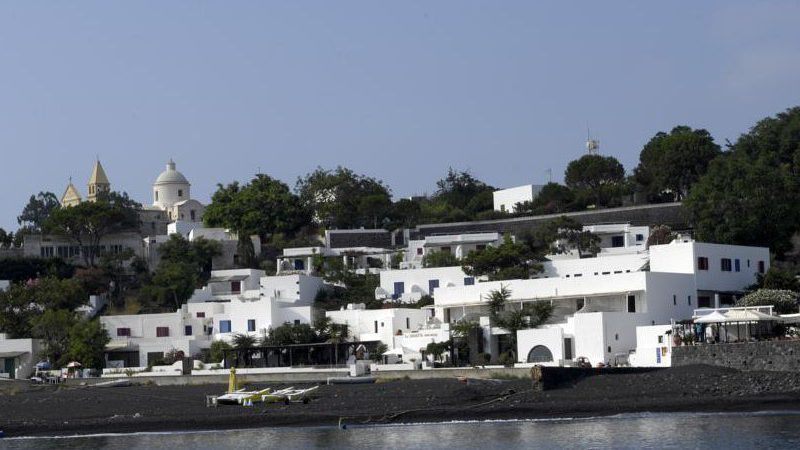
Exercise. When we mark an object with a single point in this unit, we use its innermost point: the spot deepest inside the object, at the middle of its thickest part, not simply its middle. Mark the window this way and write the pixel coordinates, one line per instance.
(689, 300)
(469, 281)
(399, 288)
(408, 323)
(201, 314)
(674, 299)
(187, 330)
(660, 339)
(639, 237)
(124, 332)
(224, 326)
(748, 263)
(725, 264)
(609, 349)
(631, 303)
(297, 321)
(236, 287)
(703, 301)
(192, 215)
(299, 264)
(381, 324)
(419, 251)
(156, 195)
(376, 326)
(432, 285)
(616, 336)
(251, 324)
(503, 208)
(617, 241)
(180, 192)
(761, 267)
(539, 354)
(567, 348)
(737, 266)
(162, 331)
(702, 263)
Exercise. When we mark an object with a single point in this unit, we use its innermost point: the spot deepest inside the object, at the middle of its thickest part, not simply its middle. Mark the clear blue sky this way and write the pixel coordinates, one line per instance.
(396, 90)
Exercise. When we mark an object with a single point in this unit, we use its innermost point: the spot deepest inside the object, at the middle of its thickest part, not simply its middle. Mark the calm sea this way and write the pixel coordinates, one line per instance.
(725, 431)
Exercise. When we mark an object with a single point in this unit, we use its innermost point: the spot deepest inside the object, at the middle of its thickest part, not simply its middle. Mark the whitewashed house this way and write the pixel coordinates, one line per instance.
(409, 285)
(506, 200)
(599, 302)
(18, 357)
(234, 301)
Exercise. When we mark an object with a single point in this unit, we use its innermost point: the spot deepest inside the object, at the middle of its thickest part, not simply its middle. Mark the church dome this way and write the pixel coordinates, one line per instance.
(171, 176)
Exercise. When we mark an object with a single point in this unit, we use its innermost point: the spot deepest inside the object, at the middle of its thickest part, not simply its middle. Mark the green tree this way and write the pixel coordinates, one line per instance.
(749, 195)
(242, 341)
(671, 163)
(217, 351)
(53, 328)
(171, 285)
(783, 301)
(660, 235)
(290, 333)
(504, 315)
(599, 176)
(27, 268)
(264, 206)
(507, 261)
(344, 199)
(440, 259)
(199, 252)
(459, 189)
(87, 342)
(780, 279)
(554, 198)
(35, 214)
(6, 238)
(87, 223)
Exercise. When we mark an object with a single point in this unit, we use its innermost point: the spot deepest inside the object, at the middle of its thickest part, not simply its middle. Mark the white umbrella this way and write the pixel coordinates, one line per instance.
(714, 317)
(73, 364)
(394, 351)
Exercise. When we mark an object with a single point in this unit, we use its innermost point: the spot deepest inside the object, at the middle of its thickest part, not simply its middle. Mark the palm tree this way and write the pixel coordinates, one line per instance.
(243, 342)
(337, 333)
(528, 316)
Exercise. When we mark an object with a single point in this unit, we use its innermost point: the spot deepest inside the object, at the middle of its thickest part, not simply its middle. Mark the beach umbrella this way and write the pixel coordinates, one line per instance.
(73, 364)
(232, 381)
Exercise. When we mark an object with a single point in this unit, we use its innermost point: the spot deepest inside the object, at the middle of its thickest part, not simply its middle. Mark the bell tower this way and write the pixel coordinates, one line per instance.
(98, 182)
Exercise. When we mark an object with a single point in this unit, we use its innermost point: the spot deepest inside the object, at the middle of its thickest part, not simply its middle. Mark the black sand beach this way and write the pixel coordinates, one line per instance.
(59, 410)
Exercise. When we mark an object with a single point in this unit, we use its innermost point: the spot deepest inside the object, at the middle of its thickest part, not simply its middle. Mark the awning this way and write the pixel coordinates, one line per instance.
(11, 354)
(119, 346)
(394, 351)
(749, 316)
(714, 317)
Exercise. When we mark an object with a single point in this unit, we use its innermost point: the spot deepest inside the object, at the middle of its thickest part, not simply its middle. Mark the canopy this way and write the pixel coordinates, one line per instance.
(73, 364)
(747, 315)
(394, 351)
(714, 317)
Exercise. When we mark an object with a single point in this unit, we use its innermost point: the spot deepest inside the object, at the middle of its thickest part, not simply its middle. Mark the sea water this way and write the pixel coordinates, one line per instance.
(668, 430)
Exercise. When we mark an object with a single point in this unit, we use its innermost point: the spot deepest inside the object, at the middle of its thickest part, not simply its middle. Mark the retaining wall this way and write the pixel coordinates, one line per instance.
(767, 355)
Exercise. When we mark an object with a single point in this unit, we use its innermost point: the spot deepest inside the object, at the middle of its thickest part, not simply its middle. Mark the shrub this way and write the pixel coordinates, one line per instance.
(783, 301)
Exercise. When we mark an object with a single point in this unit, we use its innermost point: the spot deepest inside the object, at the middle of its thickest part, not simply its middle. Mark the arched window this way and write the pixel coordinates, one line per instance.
(540, 354)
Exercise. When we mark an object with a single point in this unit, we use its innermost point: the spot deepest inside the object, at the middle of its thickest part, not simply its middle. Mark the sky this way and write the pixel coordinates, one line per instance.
(395, 90)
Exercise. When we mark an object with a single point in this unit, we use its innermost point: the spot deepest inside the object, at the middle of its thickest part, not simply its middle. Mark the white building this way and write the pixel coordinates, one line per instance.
(303, 259)
(18, 357)
(234, 301)
(172, 193)
(459, 245)
(409, 285)
(405, 331)
(653, 347)
(598, 302)
(506, 199)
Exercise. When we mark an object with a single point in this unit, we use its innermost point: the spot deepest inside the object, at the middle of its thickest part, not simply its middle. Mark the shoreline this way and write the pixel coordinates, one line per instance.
(46, 411)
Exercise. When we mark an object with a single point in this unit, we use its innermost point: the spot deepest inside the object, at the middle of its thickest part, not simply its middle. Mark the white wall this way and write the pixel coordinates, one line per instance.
(649, 351)
(416, 281)
(551, 337)
(4, 284)
(362, 322)
(507, 199)
(682, 257)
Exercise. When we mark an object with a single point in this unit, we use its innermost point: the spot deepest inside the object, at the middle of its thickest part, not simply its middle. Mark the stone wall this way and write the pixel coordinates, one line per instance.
(672, 214)
(767, 355)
